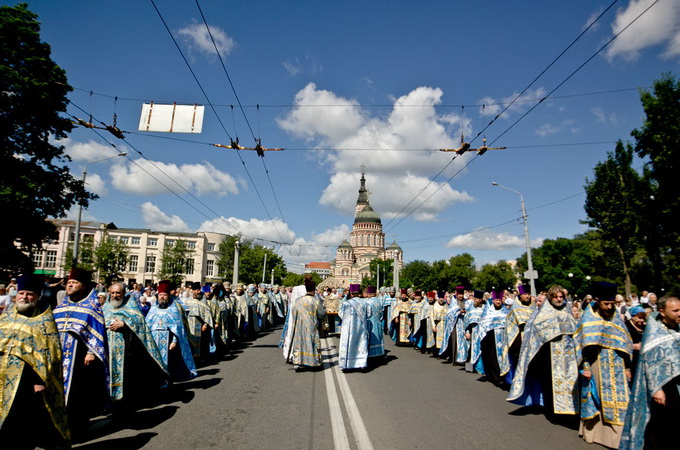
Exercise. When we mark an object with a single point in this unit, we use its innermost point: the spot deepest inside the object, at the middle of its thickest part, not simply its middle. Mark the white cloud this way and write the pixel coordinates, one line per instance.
(306, 65)
(87, 151)
(548, 129)
(319, 247)
(602, 117)
(202, 179)
(660, 25)
(95, 183)
(197, 38)
(394, 176)
(489, 240)
(269, 230)
(156, 219)
(491, 106)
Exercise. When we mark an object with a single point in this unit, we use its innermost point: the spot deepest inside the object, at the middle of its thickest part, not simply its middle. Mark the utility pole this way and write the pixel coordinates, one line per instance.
(264, 269)
(234, 280)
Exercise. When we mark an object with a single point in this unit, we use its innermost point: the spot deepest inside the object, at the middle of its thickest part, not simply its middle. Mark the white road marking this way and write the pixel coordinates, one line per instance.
(337, 424)
(358, 428)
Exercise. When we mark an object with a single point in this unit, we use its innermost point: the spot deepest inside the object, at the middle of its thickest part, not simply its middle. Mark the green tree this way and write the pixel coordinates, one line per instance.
(458, 270)
(659, 140)
(612, 197)
(37, 184)
(416, 273)
(110, 258)
(86, 256)
(251, 261)
(495, 276)
(173, 264)
(386, 277)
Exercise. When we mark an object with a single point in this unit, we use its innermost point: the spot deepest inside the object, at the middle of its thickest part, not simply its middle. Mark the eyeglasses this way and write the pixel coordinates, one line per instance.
(557, 296)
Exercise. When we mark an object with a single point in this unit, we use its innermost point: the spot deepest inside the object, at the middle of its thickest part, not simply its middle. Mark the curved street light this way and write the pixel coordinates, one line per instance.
(531, 274)
(76, 239)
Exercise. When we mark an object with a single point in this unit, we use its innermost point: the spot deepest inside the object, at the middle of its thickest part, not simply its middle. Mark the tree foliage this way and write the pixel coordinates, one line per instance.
(111, 258)
(495, 276)
(612, 197)
(173, 264)
(386, 277)
(659, 140)
(37, 184)
(251, 261)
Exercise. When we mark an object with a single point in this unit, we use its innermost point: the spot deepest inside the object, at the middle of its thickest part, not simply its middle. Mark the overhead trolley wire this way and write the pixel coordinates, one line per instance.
(257, 141)
(160, 15)
(606, 44)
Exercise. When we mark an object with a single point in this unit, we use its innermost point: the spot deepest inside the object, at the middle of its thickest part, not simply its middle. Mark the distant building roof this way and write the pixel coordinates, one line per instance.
(318, 265)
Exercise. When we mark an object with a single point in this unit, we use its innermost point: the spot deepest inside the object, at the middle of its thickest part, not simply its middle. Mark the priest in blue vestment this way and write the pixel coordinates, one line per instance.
(169, 332)
(493, 362)
(453, 340)
(354, 337)
(82, 331)
(473, 317)
(547, 368)
(604, 349)
(521, 310)
(374, 311)
(135, 363)
(654, 409)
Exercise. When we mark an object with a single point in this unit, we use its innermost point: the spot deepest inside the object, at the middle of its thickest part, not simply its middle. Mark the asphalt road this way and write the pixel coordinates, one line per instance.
(252, 399)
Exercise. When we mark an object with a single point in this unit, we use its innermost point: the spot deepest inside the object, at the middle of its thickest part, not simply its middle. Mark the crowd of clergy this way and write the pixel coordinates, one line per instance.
(104, 350)
(611, 365)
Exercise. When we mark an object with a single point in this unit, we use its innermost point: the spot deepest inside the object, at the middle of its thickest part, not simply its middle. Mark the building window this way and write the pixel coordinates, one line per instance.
(38, 258)
(190, 266)
(134, 241)
(210, 268)
(133, 263)
(150, 263)
(123, 240)
(191, 245)
(51, 259)
(152, 242)
(211, 247)
(169, 242)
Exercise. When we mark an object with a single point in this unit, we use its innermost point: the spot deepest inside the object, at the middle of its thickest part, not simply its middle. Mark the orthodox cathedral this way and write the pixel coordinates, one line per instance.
(366, 243)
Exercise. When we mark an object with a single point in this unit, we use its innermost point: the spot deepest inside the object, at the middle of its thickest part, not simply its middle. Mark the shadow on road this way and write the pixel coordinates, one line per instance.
(133, 420)
(132, 442)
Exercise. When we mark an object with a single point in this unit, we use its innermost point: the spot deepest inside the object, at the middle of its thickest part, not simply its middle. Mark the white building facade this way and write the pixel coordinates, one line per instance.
(144, 246)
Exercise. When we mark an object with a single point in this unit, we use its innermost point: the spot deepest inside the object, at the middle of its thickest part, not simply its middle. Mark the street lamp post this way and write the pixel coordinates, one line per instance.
(236, 254)
(531, 274)
(76, 239)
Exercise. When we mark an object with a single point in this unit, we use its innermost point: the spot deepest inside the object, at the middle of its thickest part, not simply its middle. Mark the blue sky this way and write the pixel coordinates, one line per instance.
(341, 84)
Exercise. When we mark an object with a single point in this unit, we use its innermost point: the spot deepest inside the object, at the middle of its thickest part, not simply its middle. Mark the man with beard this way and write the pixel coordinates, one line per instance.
(654, 410)
(165, 320)
(494, 345)
(453, 340)
(240, 312)
(547, 369)
(82, 331)
(437, 320)
(201, 322)
(31, 384)
(135, 362)
(263, 307)
(520, 312)
(419, 321)
(604, 348)
(400, 328)
(473, 336)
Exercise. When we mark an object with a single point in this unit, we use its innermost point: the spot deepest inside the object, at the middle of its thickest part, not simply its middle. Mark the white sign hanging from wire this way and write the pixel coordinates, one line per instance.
(172, 118)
